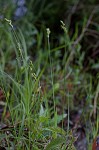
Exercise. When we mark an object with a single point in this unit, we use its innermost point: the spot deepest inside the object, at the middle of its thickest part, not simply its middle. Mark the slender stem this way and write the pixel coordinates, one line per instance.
(68, 112)
(51, 67)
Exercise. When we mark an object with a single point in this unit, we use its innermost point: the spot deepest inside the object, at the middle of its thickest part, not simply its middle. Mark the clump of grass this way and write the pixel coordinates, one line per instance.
(30, 124)
(33, 108)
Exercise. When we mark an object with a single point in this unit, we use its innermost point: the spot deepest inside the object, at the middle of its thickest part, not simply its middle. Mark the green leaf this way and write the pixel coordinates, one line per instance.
(59, 118)
(55, 142)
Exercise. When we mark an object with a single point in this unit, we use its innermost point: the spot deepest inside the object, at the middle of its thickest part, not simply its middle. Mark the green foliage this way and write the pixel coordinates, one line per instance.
(45, 76)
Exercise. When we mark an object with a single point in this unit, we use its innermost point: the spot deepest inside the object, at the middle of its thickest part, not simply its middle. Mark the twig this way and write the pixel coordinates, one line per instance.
(84, 29)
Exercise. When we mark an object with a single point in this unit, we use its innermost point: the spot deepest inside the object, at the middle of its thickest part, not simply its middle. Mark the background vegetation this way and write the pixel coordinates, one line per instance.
(49, 74)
